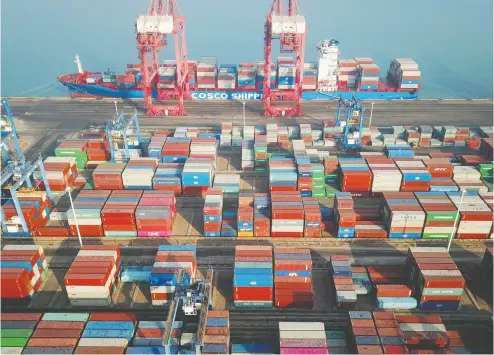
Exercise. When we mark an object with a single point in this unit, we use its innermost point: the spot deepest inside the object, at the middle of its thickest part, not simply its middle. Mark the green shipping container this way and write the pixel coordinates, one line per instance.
(279, 154)
(435, 235)
(486, 169)
(442, 291)
(335, 334)
(253, 304)
(16, 333)
(441, 216)
(360, 276)
(13, 342)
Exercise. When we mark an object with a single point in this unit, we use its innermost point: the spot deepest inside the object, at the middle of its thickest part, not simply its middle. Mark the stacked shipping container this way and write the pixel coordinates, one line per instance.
(365, 338)
(118, 214)
(213, 212)
(341, 271)
(168, 262)
(293, 278)
(93, 276)
(176, 149)
(395, 297)
(155, 214)
(138, 174)
(245, 215)
(426, 332)
(253, 276)
(112, 330)
(168, 177)
(475, 216)
(85, 218)
(197, 176)
(60, 172)
(403, 215)
(75, 149)
(17, 328)
(36, 207)
(287, 213)
(302, 338)
(217, 334)
(437, 281)
(108, 176)
(389, 333)
(440, 214)
(23, 269)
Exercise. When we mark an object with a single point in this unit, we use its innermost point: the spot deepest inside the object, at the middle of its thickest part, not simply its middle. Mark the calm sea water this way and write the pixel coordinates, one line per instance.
(451, 40)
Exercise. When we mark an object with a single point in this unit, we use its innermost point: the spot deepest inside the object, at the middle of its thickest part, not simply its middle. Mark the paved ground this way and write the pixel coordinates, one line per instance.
(43, 121)
(74, 114)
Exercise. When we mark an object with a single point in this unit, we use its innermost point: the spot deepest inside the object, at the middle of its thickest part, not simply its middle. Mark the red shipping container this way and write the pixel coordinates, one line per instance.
(386, 323)
(444, 281)
(440, 298)
(52, 342)
(393, 291)
(86, 280)
(99, 350)
(21, 316)
(389, 332)
(253, 293)
(426, 338)
(59, 325)
(57, 333)
(216, 330)
(395, 349)
(364, 331)
(362, 323)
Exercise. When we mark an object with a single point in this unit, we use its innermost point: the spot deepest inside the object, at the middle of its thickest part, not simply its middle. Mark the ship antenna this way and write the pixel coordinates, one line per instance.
(79, 64)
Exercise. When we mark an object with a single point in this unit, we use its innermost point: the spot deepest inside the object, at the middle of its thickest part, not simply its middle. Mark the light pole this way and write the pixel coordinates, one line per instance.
(372, 109)
(453, 232)
(68, 189)
(243, 110)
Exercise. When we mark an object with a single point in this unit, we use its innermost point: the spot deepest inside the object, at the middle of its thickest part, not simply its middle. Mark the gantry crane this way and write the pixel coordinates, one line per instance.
(14, 176)
(291, 30)
(118, 128)
(193, 297)
(152, 35)
(9, 134)
(353, 120)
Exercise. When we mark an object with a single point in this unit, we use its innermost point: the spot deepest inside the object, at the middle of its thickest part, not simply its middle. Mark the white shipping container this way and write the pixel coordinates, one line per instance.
(304, 326)
(112, 253)
(103, 342)
(162, 289)
(287, 228)
(89, 295)
(11, 350)
(177, 264)
(299, 334)
(422, 327)
(441, 272)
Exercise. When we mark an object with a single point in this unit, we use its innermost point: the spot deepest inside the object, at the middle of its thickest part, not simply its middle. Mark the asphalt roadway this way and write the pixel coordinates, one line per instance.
(77, 113)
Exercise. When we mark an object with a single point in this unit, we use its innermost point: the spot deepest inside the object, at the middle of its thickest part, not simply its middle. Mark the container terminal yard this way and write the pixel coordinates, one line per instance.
(148, 288)
(318, 216)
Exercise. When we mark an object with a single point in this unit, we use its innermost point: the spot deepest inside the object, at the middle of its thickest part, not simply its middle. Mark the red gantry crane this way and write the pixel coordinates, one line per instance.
(291, 30)
(163, 19)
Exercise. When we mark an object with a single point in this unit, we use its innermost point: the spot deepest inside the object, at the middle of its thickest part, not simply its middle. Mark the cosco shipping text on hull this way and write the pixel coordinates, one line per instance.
(102, 91)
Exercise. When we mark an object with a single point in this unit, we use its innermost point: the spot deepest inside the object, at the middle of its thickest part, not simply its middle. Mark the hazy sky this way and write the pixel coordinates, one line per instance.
(451, 40)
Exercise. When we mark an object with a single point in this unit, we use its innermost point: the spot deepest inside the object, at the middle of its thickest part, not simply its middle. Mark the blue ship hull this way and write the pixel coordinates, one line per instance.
(102, 91)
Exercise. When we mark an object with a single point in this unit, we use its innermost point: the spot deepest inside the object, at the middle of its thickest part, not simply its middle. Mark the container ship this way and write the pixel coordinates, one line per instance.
(329, 77)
